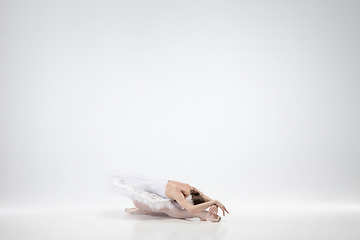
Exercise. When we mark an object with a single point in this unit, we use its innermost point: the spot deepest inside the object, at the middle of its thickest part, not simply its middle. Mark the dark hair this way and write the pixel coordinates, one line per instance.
(196, 197)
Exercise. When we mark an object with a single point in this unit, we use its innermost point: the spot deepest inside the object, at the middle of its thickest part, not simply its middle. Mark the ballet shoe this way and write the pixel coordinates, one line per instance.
(137, 211)
(211, 218)
(218, 219)
(214, 218)
(130, 210)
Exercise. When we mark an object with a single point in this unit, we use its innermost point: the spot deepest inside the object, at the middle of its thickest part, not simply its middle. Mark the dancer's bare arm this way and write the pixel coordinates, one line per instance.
(179, 197)
(213, 208)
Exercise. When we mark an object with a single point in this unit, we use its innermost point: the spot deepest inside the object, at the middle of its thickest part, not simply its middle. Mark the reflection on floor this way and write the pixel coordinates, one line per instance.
(248, 222)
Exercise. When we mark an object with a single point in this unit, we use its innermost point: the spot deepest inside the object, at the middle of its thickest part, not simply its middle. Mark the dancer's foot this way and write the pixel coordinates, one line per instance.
(207, 216)
(136, 211)
(130, 210)
(214, 218)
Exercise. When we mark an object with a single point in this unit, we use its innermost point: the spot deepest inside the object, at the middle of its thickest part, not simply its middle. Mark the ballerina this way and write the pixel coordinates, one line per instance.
(175, 199)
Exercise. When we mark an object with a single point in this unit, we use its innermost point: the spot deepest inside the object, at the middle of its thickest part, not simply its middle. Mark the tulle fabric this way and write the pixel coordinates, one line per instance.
(135, 188)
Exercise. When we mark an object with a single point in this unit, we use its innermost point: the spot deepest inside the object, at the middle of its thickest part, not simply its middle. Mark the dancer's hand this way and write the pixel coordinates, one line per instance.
(223, 208)
(213, 209)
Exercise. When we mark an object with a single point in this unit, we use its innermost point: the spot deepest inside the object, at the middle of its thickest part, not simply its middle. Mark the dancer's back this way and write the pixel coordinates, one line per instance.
(173, 187)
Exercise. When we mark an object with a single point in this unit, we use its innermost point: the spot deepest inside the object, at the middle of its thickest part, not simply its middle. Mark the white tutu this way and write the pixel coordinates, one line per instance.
(140, 188)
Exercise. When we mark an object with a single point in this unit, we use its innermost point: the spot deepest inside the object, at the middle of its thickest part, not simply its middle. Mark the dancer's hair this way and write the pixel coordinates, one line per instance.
(196, 197)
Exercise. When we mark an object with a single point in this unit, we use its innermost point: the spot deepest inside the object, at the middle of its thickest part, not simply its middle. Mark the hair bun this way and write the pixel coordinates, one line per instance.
(194, 192)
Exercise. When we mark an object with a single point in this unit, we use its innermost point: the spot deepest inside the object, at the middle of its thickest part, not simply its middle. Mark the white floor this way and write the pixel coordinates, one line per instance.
(248, 222)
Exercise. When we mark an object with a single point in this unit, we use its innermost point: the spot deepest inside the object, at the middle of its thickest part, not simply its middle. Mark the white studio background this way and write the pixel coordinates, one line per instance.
(248, 100)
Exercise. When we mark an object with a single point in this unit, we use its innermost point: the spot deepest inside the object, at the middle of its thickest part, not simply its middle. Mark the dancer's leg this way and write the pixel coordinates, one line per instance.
(143, 207)
(175, 213)
(179, 213)
(182, 213)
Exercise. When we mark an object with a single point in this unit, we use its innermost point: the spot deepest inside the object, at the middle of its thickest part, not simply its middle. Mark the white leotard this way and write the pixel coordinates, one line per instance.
(146, 190)
(157, 186)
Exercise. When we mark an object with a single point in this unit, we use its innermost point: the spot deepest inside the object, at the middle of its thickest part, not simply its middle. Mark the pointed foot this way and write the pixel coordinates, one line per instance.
(137, 211)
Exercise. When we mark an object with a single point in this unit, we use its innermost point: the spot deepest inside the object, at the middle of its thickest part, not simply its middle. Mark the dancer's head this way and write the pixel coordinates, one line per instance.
(195, 197)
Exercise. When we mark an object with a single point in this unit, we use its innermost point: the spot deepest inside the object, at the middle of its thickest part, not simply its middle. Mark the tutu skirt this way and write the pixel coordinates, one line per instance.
(143, 189)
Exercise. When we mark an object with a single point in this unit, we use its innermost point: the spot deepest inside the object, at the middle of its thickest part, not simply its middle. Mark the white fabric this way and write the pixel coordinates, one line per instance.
(148, 191)
(157, 186)
(189, 199)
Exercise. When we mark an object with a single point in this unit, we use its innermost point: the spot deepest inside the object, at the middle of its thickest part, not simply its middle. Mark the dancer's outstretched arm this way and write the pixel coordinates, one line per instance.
(179, 197)
(192, 208)
(213, 208)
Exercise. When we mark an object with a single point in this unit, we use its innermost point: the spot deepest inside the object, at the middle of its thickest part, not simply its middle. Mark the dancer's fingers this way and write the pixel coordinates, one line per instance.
(213, 209)
(226, 210)
(223, 210)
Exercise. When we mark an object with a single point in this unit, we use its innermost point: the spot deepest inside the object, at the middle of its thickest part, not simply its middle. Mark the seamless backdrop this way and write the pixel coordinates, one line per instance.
(248, 100)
